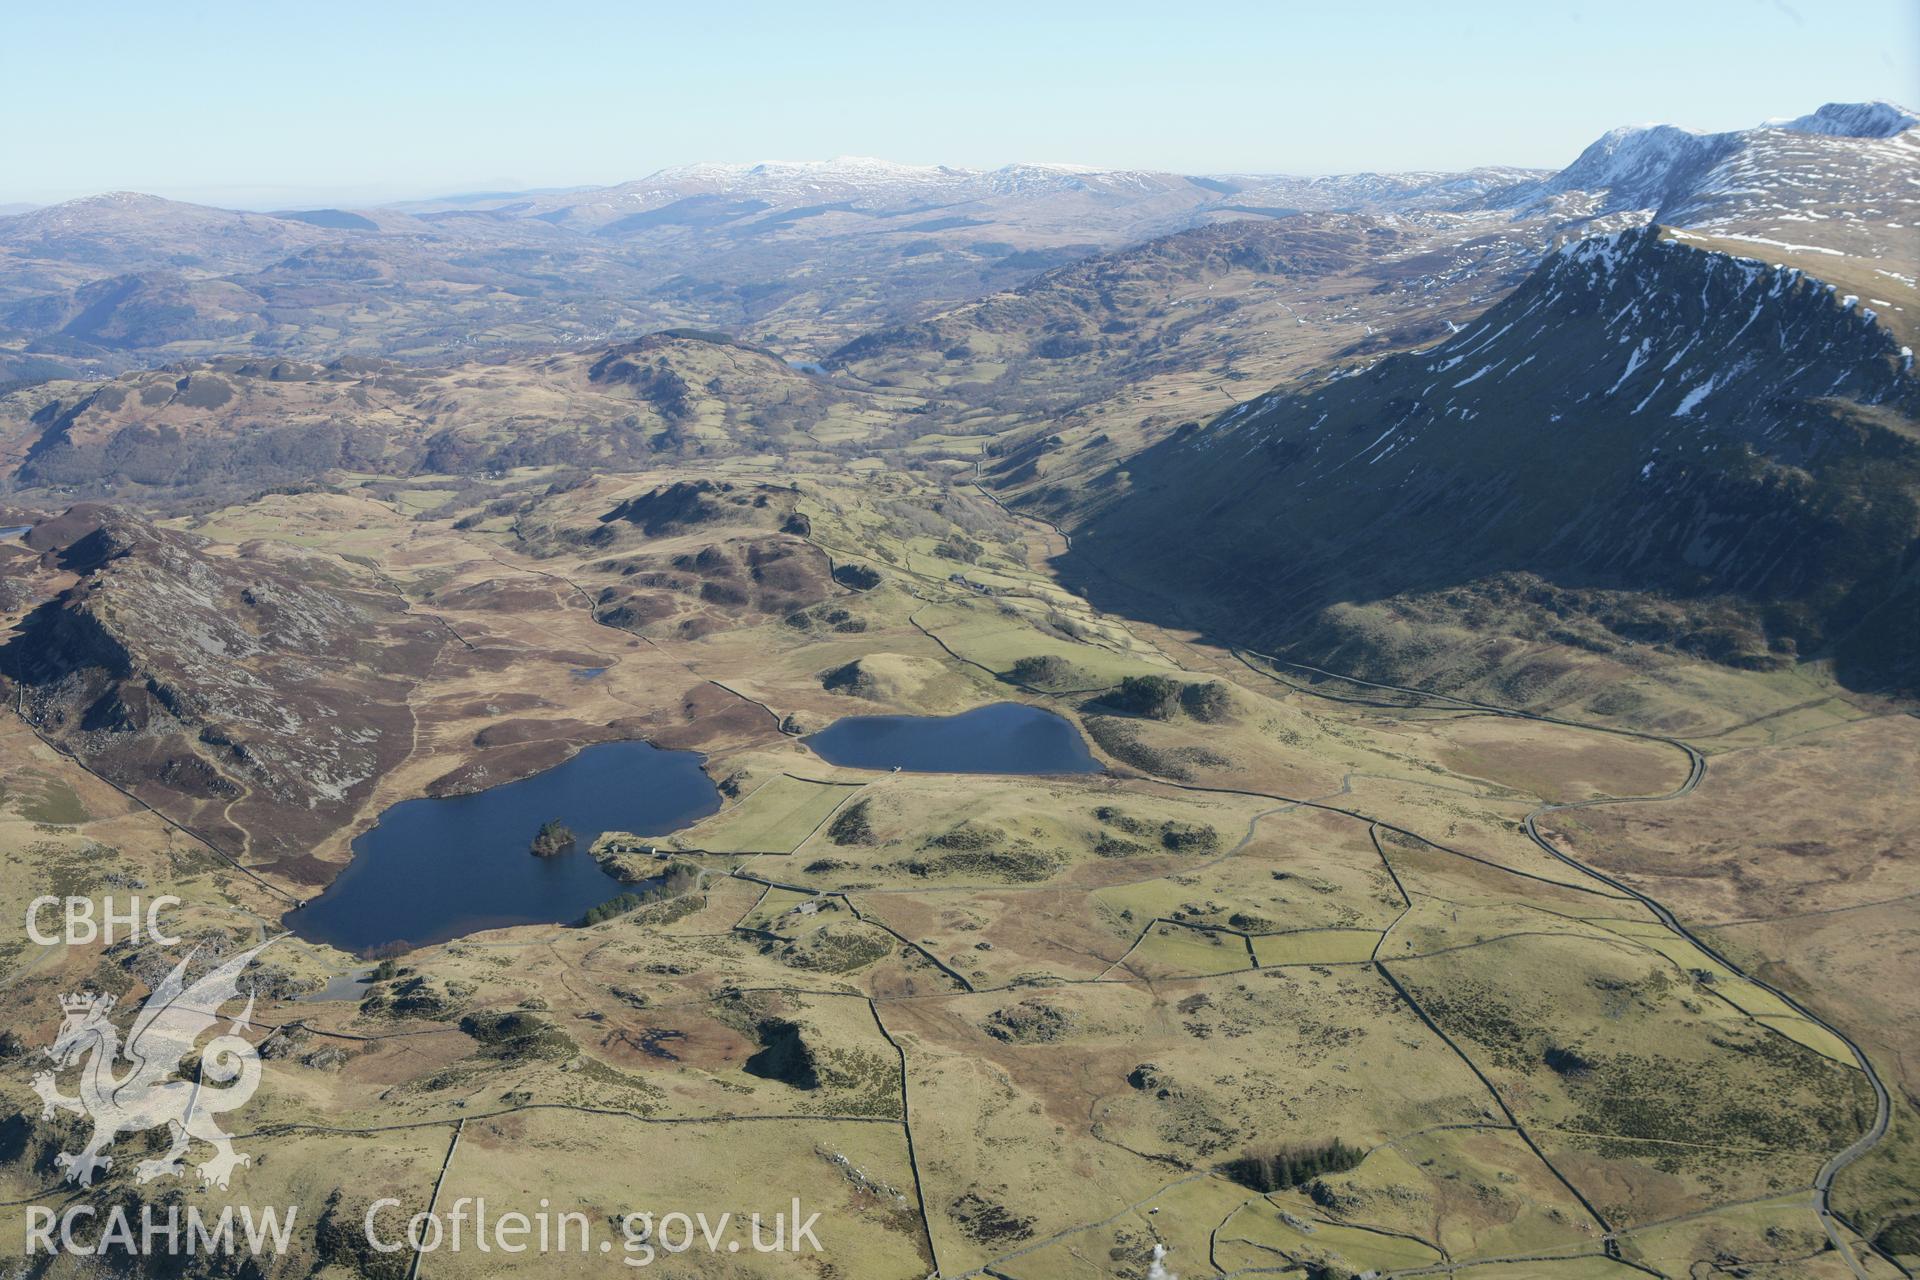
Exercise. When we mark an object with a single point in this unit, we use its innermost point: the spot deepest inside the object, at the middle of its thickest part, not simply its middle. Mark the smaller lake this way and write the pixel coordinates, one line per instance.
(351, 985)
(1007, 737)
(439, 868)
(15, 530)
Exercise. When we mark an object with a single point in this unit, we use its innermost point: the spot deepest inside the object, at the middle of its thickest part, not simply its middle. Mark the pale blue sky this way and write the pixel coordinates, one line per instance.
(265, 105)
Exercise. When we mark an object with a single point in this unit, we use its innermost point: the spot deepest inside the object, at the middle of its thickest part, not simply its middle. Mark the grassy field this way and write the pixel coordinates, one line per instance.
(775, 817)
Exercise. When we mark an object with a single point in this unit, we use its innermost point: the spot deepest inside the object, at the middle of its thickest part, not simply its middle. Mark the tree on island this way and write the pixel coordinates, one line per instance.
(552, 839)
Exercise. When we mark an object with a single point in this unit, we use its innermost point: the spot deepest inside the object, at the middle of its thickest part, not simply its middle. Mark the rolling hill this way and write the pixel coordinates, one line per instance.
(236, 423)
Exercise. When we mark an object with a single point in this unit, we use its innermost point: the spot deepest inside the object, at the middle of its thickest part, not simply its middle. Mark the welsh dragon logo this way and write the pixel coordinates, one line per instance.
(146, 1094)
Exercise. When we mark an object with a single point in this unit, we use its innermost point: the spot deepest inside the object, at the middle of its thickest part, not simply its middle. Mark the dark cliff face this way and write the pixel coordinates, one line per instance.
(1637, 416)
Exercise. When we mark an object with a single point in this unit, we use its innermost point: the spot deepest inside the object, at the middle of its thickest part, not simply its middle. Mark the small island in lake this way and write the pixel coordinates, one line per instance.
(553, 838)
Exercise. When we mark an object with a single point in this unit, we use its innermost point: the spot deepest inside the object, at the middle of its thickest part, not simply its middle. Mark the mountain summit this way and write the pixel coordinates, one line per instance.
(1876, 119)
(1837, 178)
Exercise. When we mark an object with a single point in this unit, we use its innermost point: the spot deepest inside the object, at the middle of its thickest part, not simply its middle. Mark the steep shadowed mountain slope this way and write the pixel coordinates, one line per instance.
(1675, 444)
(145, 308)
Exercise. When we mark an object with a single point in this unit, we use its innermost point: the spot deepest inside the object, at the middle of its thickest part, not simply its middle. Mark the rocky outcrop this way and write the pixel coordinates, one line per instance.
(253, 698)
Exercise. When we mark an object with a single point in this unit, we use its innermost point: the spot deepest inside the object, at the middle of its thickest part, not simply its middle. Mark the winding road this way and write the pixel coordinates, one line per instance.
(1823, 1181)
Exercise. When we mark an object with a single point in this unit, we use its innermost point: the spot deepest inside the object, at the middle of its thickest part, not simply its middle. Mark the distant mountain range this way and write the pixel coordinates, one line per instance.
(805, 256)
(870, 188)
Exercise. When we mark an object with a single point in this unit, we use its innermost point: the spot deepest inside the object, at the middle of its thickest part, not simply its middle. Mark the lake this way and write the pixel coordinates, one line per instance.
(1006, 737)
(439, 868)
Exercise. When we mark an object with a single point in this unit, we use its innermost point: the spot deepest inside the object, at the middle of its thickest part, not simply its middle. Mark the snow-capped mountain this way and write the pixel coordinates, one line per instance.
(1838, 179)
(1085, 202)
(1877, 119)
(776, 182)
(851, 189)
(1641, 166)
(1366, 192)
(865, 175)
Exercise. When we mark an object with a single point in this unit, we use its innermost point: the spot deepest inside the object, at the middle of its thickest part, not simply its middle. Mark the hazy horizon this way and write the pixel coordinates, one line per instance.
(368, 108)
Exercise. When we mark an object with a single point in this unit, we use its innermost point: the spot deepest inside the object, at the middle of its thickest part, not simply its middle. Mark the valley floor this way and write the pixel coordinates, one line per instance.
(1584, 998)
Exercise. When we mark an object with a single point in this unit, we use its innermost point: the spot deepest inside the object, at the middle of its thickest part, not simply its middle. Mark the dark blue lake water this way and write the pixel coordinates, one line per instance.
(434, 869)
(1007, 737)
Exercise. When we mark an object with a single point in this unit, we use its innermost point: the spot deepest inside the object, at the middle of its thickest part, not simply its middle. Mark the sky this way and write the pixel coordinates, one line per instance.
(349, 103)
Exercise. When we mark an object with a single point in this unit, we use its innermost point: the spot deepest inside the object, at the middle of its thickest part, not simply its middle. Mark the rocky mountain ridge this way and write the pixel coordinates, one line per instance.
(1837, 179)
(258, 698)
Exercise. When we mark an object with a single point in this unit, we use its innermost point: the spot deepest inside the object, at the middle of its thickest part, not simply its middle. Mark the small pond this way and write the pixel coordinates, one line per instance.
(1007, 737)
(438, 868)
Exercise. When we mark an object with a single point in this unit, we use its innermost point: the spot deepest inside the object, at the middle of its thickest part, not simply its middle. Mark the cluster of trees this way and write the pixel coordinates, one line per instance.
(677, 879)
(1049, 672)
(1209, 703)
(1158, 698)
(851, 826)
(857, 576)
(1154, 697)
(1279, 1168)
